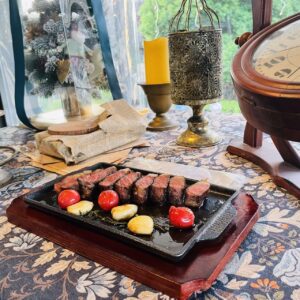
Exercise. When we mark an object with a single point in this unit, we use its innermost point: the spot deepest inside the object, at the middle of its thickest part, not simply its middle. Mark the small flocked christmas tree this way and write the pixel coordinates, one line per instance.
(48, 42)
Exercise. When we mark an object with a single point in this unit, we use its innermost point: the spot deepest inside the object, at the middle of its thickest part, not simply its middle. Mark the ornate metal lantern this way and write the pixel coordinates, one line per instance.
(196, 68)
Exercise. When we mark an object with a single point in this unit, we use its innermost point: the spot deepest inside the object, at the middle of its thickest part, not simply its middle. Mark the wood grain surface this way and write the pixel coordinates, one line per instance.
(74, 127)
(269, 105)
(268, 158)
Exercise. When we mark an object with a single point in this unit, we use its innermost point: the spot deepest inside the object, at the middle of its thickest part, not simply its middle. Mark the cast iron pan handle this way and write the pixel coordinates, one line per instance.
(216, 226)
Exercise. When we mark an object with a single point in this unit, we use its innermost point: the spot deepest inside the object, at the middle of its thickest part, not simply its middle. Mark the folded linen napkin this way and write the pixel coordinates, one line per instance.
(58, 166)
(122, 126)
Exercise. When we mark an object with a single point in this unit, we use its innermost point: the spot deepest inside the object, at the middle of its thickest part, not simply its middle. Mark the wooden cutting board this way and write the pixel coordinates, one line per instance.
(73, 128)
(77, 127)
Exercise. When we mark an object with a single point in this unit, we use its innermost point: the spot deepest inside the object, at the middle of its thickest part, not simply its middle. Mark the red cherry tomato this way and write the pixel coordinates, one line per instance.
(181, 217)
(67, 198)
(108, 200)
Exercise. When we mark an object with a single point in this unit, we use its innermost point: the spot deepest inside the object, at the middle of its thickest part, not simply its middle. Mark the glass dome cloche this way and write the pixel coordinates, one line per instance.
(65, 71)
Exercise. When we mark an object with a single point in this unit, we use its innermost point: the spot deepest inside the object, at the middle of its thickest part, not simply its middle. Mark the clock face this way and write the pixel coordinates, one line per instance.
(278, 57)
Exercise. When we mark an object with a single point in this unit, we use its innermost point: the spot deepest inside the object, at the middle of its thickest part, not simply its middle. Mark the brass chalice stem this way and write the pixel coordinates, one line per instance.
(198, 134)
(198, 122)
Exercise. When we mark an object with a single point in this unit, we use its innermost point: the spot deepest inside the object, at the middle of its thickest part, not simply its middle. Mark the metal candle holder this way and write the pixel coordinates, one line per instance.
(159, 99)
(195, 69)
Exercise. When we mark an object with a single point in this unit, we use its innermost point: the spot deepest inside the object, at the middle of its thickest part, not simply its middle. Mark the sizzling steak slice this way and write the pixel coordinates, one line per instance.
(88, 183)
(109, 181)
(124, 186)
(141, 188)
(195, 194)
(69, 182)
(176, 190)
(159, 189)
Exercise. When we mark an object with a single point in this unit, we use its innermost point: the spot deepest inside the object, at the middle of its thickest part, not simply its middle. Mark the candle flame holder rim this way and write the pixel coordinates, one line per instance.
(152, 84)
(195, 102)
(200, 30)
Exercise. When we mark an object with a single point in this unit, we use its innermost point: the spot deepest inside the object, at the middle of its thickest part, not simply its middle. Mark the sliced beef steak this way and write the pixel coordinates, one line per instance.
(69, 182)
(176, 190)
(124, 186)
(159, 189)
(88, 183)
(109, 181)
(195, 194)
(141, 189)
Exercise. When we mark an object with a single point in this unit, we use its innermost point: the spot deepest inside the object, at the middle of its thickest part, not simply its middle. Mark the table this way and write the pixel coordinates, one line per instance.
(267, 265)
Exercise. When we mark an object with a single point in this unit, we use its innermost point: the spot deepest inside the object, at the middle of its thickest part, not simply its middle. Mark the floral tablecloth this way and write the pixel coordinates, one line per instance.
(266, 266)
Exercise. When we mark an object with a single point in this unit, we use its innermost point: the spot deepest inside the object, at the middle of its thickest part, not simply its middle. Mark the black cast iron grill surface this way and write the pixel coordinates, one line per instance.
(211, 219)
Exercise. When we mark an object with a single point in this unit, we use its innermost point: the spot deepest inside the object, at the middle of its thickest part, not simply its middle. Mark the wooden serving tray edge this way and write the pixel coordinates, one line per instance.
(137, 264)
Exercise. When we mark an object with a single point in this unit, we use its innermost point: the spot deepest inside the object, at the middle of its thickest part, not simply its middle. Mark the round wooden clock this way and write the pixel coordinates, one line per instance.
(266, 77)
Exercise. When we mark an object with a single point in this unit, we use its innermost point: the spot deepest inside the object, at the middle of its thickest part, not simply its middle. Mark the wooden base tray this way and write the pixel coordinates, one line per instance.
(178, 280)
(268, 158)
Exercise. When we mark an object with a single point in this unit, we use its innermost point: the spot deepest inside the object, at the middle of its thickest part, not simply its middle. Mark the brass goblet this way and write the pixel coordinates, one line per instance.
(159, 99)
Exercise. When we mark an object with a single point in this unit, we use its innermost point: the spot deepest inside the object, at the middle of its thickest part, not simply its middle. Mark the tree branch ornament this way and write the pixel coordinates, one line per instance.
(184, 15)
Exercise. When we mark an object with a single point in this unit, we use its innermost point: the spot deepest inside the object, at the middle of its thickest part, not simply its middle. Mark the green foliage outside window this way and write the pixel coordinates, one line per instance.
(235, 17)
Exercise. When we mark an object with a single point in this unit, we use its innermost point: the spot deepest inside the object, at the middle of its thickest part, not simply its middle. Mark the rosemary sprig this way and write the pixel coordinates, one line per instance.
(112, 221)
(161, 228)
(105, 219)
(96, 214)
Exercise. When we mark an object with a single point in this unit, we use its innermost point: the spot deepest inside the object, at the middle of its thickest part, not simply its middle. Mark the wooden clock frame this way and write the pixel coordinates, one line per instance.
(269, 106)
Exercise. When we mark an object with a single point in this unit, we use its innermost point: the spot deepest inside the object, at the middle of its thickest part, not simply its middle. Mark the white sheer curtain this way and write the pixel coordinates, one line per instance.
(126, 46)
(7, 66)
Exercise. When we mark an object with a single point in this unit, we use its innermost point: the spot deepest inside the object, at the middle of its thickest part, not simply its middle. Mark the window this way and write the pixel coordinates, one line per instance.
(129, 23)
(235, 17)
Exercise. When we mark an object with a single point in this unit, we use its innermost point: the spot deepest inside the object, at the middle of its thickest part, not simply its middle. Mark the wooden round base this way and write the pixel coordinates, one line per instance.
(268, 158)
(79, 127)
(74, 128)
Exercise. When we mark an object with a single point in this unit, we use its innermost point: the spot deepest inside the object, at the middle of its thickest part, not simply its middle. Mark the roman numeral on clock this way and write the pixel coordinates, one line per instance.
(274, 61)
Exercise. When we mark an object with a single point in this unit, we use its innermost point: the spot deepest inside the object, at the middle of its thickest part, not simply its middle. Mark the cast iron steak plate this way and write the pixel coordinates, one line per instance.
(211, 219)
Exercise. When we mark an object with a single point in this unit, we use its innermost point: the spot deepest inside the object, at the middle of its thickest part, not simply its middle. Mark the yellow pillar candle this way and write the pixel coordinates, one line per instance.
(157, 61)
